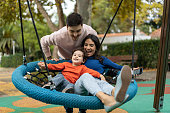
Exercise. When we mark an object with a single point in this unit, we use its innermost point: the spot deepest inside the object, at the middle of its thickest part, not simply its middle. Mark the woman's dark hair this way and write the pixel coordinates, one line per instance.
(96, 41)
(82, 50)
(74, 19)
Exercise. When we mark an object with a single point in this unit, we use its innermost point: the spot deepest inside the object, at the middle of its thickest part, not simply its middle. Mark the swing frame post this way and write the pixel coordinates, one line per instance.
(162, 58)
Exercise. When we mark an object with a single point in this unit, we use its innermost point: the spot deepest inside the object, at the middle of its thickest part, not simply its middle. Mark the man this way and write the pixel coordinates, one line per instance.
(67, 38)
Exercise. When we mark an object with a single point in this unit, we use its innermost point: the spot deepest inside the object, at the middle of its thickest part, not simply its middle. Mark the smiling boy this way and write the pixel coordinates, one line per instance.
(70, 71)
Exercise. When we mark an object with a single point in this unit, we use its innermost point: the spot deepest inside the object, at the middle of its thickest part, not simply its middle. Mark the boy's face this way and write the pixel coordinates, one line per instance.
(77, 58)
(74, 31)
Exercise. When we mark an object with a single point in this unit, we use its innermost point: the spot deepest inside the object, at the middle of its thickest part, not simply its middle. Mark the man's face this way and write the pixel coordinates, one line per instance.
(74, 31)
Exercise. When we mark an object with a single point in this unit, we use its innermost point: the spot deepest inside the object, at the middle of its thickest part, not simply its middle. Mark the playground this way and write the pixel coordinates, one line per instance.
(152, 87)
(14, 101)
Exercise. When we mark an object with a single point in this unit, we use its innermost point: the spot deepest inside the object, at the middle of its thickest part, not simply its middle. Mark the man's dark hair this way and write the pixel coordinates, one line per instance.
(74, 19)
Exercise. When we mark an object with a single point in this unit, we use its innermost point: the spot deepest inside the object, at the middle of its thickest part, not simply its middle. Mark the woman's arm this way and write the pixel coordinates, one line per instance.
(109, 63)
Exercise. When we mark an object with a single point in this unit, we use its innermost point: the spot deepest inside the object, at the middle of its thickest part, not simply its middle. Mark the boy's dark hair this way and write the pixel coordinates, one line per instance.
(84, 53)
(74, 19)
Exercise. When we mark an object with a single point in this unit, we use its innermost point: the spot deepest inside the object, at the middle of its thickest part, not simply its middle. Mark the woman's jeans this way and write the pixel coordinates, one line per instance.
(88, 84)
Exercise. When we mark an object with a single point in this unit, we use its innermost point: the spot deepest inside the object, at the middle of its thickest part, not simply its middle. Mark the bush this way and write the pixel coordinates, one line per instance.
(147, 51)
(12, 60)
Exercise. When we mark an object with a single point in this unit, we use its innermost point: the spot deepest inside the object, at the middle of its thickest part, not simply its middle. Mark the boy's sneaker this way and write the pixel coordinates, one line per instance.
(47, 86)
(68, 90)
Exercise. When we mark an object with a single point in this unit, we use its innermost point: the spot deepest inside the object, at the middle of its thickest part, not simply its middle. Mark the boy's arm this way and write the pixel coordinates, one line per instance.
(58, 66)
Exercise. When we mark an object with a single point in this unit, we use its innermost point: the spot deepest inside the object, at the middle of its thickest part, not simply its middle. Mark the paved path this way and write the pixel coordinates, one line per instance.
(6, 86)
(12, 100)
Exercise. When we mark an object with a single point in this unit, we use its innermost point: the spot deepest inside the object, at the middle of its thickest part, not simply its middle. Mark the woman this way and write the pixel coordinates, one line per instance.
(96, 62)
(110, 96)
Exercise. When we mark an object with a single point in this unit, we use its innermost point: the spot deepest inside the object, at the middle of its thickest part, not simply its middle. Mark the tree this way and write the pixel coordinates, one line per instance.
(103, 11)
(150, 16)
(61, 21)
(84, 8)
(8, 10)
(51, 25)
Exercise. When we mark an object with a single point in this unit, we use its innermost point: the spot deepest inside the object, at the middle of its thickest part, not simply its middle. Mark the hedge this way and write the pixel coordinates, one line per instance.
(147, 51)
(17, 59)
(12, 60)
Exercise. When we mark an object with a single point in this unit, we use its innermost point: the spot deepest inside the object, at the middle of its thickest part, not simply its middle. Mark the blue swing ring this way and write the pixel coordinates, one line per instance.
(54, 97)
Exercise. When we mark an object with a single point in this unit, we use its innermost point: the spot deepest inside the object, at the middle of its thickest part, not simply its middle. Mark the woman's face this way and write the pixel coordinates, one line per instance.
(89, 47)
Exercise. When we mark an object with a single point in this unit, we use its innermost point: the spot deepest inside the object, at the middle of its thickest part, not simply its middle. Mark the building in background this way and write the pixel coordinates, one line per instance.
(156, 34)
(123, 37)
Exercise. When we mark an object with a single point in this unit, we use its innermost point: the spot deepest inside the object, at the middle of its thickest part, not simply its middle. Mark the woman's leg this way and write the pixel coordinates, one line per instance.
(88, 84)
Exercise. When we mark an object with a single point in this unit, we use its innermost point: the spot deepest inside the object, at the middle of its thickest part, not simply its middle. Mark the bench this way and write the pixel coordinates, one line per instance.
(123, 59)
(169, 62)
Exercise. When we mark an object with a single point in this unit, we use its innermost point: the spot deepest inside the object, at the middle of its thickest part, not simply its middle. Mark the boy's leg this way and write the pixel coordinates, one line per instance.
(56, 81)
(82, 110)
(68, 110)
(69, 88)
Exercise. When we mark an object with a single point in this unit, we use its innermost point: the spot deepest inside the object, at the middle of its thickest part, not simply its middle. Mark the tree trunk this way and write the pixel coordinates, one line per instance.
(60, 13)
(84, 8)
(75, 7)
(61, 23)
(49, 22)
(46, 16)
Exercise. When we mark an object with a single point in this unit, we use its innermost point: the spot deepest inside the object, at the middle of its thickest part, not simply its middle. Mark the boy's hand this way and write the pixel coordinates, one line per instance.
(41, 65)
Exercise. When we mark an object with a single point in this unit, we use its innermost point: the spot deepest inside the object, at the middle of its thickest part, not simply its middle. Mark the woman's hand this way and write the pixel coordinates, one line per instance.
(137, 71)
(102, 77)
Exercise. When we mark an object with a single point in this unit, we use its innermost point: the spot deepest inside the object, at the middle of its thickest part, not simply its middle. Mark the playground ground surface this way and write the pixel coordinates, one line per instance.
(14, 101)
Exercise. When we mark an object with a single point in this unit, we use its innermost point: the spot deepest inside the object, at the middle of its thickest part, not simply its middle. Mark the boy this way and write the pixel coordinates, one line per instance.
(70, 71)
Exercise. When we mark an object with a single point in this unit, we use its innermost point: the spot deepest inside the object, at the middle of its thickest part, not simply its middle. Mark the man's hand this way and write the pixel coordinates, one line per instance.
(49, 58)
(55, 59)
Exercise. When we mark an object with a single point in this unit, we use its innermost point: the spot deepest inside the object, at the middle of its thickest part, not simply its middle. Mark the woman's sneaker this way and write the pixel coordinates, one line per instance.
(122, 84)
